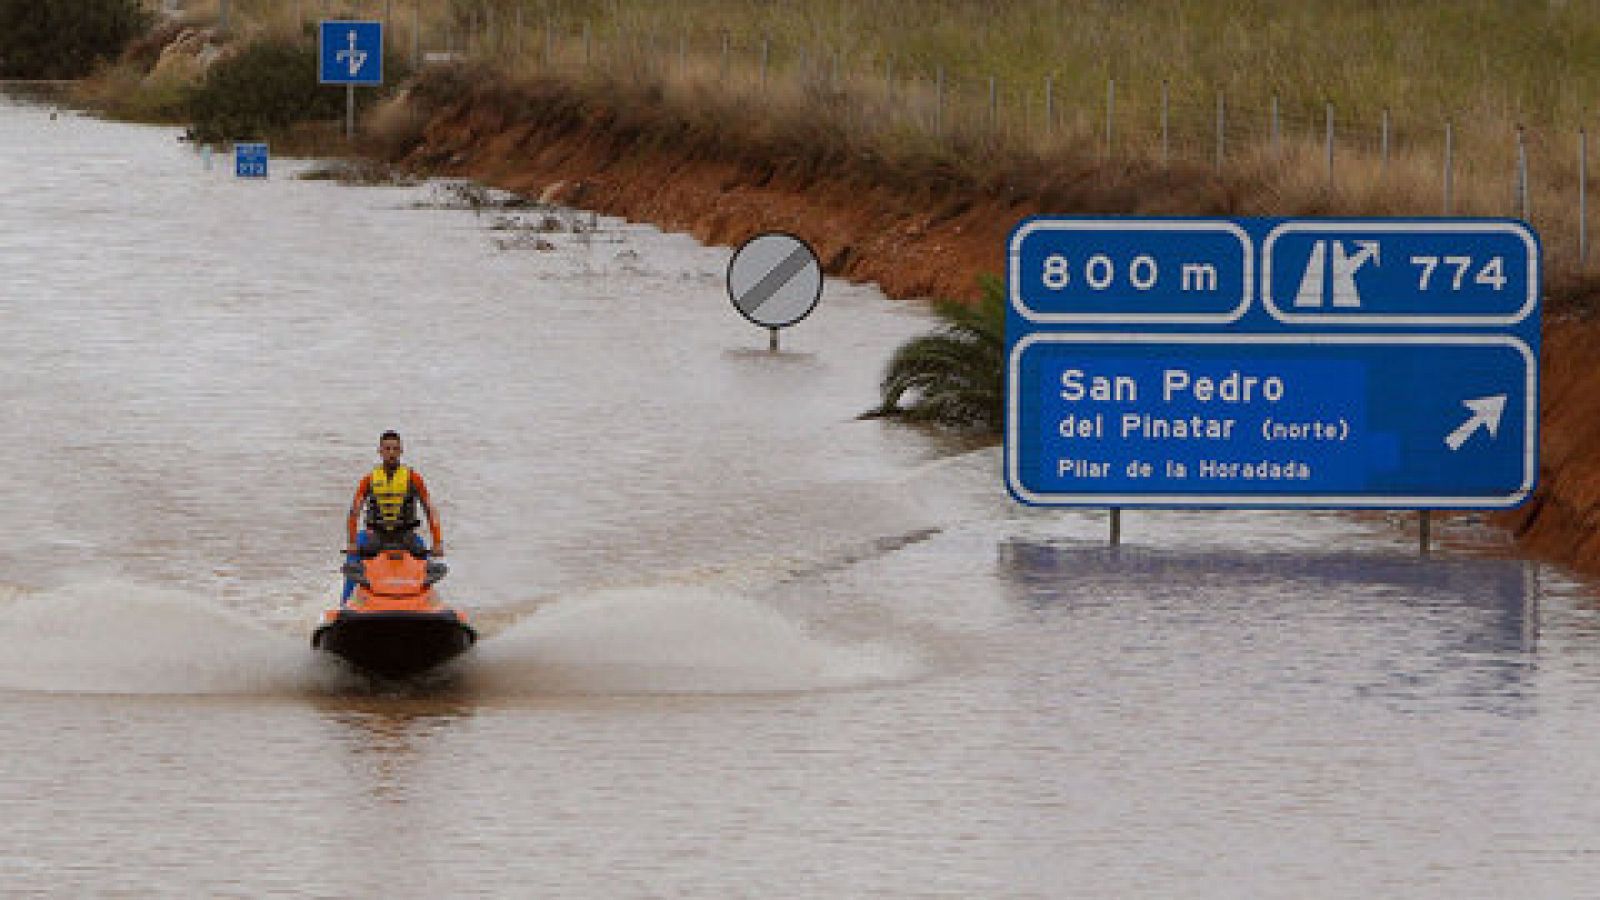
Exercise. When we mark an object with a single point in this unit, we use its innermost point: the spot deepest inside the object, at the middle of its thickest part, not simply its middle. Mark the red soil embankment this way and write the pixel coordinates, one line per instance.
(918, 225)
(1562, 521)
(912, 246)
(915, 236)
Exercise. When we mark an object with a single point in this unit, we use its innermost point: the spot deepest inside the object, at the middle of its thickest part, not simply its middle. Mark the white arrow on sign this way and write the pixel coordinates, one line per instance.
(355, 57)
(1486, 412)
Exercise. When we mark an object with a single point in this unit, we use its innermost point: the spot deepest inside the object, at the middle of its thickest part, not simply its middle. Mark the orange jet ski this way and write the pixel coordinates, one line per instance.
(394, 625)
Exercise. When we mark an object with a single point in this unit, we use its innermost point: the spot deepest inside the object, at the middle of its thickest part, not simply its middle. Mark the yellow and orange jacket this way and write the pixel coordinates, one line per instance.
(392, 497)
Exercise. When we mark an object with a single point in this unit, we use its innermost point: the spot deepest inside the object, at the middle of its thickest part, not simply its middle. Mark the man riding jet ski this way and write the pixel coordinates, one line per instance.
(395, 625)
(389, 495)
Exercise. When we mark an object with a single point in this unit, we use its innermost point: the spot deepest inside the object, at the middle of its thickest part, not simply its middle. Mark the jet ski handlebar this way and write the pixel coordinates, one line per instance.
(355, 572)
(435, 570)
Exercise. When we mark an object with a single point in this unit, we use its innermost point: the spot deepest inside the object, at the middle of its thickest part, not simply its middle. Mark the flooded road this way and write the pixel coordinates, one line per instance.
(737, 642)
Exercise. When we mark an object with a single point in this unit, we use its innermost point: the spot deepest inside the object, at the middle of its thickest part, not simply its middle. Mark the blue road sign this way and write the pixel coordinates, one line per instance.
(1191, 271)
(1387, 273)
(1364, 363)
(250, 160)
(1132, 419)
(351, 53)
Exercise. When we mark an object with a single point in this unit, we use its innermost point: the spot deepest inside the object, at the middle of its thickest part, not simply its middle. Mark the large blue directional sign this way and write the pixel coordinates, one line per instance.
(351, 52)
(1267, 362)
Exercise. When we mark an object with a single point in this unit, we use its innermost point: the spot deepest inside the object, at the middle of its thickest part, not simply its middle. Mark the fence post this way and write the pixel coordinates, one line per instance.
(1385, 170)
(1111, 110)
(1522, 173)
(588, 46)
(994, 108)
(1329, 116)
(1583, 198)
(1049, 104)
(766, 54)
(1272, 127)
(1449, 163)
(726, 39)
(1166, 145)
(938, 102)
(1222, 127)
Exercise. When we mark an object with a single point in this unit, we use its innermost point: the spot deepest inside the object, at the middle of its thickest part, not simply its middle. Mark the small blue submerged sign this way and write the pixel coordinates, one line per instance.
(250, 160)
(1258, 362)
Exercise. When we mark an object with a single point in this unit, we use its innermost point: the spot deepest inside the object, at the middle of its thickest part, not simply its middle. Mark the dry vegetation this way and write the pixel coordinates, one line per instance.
(1064, 98)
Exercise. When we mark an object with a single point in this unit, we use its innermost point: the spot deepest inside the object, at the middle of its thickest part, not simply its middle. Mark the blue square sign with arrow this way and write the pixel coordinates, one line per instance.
(351, 53)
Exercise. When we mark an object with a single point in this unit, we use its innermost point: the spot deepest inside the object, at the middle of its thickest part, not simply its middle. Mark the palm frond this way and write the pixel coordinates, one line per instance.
(954, 376)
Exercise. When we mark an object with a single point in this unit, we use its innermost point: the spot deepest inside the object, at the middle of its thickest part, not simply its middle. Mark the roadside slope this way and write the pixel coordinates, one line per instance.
(919, 229)
(1562, 521)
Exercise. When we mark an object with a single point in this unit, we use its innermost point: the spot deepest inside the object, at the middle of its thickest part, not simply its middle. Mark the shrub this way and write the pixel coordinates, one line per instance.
(955, 376)
(264, 87)
(65, 38)
(270, 84)
(394, 127)
(123, 91)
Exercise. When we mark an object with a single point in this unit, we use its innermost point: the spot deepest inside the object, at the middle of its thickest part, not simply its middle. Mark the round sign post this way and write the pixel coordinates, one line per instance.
(774, 280)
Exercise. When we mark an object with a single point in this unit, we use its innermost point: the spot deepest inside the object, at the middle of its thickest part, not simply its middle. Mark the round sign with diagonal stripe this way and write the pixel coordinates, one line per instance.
(775, 279)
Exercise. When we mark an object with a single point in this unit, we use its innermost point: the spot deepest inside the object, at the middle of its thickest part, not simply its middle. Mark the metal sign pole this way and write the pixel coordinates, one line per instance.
(350, 112)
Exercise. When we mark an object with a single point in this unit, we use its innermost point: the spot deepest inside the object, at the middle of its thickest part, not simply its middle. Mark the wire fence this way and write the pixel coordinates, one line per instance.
(1374, 165)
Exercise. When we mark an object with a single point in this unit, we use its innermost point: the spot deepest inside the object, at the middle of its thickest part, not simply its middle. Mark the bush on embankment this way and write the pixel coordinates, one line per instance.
(65, 38)
(267, 86)
(262, 87)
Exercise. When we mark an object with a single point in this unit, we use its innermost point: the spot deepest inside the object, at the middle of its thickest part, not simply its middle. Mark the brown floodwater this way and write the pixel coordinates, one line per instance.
(736, 642)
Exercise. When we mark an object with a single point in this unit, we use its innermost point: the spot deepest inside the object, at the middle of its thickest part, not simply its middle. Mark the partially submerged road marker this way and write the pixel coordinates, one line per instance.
(774, 280)
(250, 160)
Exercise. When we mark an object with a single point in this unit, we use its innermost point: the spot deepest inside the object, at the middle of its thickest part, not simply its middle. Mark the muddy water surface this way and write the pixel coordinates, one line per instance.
(737, 643)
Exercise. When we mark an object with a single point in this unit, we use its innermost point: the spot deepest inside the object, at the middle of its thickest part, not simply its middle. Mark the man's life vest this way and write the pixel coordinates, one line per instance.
(392, 504)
